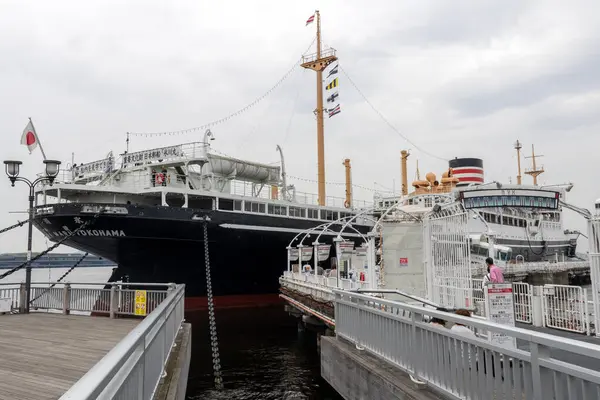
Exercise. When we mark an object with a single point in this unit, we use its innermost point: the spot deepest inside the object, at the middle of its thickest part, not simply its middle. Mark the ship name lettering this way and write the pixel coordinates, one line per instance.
(98, 232)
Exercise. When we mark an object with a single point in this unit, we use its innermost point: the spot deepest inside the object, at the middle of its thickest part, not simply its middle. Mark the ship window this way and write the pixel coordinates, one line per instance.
(225, 204)
(251, 206)
(202, 203)
(314, 214)
(331, 215)
(237, 205)
(276, 209)
(297, 212)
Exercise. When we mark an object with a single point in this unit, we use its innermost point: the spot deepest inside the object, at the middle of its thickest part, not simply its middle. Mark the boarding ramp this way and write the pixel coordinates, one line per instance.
(459, 366)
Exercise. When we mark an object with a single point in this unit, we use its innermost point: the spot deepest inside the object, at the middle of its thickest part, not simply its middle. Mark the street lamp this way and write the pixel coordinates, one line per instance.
(12, 171)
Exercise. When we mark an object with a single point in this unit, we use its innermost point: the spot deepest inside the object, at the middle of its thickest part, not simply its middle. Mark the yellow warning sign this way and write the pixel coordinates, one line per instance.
(140, 302)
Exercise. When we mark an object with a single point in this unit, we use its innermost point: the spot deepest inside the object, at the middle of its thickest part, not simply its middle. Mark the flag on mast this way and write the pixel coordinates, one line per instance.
(333, 71)
(333, 84)
(335, 110)
(332, 98)
(310, 20)
(30, 139)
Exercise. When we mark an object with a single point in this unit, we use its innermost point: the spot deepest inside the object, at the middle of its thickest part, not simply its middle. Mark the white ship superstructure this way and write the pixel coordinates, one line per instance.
(525, 220)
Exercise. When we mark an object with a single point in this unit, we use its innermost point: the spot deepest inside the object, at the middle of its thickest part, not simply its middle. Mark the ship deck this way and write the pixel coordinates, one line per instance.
(43, 354)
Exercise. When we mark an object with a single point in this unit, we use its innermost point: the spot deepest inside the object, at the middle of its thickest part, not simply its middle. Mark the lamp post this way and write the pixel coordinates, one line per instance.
(12, 171)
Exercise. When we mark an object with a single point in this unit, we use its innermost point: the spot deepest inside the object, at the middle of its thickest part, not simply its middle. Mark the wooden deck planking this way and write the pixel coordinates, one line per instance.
(43, 355)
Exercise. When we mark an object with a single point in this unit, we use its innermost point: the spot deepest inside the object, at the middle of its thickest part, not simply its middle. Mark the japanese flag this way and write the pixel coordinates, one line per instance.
(29, 137)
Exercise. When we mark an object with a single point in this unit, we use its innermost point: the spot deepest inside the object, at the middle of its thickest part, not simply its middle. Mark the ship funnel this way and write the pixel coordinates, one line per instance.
(467, 170)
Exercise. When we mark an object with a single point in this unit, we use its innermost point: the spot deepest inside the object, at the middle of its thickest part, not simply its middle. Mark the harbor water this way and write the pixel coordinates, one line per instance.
(263, 356)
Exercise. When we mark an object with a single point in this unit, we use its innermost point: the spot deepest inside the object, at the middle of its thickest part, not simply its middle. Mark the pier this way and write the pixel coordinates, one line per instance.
(389, 350)
(378, 301)
(94, 341)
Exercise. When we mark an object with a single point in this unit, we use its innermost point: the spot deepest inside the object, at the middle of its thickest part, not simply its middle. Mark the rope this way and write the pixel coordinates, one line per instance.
(384, 119)
(236, 113)
(49, 249)
(214, 343)
(20, 223)
(61, 278)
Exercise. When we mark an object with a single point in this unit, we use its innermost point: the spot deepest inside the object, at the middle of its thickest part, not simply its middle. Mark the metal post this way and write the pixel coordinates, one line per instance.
(29, 239)
(66, 298)
(338, 254)
(372, 275)
(113, 300)
(22, 297)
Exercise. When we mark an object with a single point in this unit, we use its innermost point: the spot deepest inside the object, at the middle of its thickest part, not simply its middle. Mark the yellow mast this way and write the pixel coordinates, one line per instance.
(534, 172)
(518, 148)
(318, 62)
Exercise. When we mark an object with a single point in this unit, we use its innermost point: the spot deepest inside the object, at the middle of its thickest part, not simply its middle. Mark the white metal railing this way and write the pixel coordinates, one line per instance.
(465, 366)
(536, 267)
(522, 300)
(100, 298)
(564, 307)
(134, 367)
(329, 282)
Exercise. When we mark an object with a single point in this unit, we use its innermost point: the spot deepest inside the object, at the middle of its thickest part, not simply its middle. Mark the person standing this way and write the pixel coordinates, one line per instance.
(496, 275)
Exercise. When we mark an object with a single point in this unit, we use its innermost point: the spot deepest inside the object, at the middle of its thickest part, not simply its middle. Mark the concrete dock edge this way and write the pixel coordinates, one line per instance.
(357, 375)
(174, 385)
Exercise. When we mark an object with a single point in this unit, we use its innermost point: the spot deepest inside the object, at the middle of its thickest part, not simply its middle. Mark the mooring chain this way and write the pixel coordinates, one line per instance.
(214, 343)
(61, 278)
(18, 224)
(49, 249)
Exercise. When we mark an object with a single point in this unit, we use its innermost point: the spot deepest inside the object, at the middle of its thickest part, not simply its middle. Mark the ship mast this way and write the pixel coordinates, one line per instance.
(534, 172)
(318, 62)
(518, 147)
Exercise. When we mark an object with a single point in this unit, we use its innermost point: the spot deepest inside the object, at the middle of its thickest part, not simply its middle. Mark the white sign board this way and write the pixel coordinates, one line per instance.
(499, 308)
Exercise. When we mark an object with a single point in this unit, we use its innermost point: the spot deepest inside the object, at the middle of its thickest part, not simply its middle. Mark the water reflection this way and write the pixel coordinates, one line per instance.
(263, 356)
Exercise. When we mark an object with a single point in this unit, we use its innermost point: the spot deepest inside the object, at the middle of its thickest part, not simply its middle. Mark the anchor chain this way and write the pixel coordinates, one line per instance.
(8, 228)
(55, 245)
(61, 278)
(214, 343)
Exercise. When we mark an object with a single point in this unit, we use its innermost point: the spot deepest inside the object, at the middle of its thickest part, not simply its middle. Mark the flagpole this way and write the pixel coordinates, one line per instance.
(38, 139)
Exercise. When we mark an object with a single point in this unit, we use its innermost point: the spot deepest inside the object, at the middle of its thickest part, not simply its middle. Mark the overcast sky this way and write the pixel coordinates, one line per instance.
(457, 78)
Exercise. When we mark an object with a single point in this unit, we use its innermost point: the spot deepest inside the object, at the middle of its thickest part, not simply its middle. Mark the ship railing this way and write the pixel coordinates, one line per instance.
(111, 299)
(141, 181)
(465, 366)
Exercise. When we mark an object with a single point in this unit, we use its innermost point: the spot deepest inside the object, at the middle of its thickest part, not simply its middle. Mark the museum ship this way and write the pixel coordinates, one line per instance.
(149, 209)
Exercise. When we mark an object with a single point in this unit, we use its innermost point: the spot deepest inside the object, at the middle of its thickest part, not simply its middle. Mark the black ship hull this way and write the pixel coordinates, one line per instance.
(164, 244)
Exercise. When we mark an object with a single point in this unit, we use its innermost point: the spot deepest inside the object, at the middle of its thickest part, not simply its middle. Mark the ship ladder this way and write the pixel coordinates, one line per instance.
(214, 343)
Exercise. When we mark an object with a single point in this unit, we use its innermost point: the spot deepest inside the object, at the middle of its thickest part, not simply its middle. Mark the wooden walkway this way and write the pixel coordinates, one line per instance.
(43, 355)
